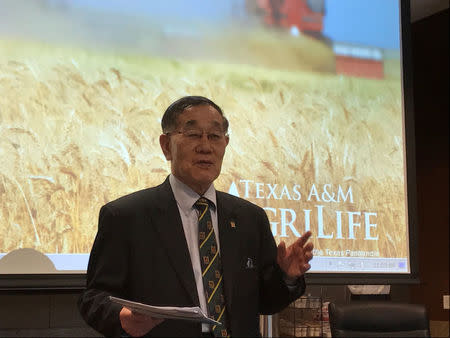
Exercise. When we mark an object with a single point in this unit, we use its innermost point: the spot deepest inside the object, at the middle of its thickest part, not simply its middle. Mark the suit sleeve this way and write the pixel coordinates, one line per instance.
(275, 295)
(106, 275)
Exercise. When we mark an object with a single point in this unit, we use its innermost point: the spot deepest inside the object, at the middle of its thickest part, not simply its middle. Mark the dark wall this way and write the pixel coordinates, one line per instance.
(55, 314)
(430, 42)
(41, 315)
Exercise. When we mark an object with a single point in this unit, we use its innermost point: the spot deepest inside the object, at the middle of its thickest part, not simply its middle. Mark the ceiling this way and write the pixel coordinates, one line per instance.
(422, 8)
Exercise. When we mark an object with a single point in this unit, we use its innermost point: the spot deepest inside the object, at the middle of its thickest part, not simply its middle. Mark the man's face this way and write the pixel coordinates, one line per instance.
(194, 149)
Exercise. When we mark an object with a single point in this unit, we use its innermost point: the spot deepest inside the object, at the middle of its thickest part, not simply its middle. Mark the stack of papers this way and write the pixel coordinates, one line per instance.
(169, 312)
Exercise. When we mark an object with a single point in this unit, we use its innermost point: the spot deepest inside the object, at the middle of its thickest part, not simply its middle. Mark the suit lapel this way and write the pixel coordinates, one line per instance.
(229, 244)
(167, 222)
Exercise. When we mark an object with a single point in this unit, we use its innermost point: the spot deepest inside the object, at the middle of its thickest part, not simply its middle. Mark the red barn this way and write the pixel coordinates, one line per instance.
(359, 61)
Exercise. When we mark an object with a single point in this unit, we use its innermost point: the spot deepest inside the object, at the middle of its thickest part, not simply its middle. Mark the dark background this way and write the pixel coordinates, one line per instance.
(55, 313)
(430, 42)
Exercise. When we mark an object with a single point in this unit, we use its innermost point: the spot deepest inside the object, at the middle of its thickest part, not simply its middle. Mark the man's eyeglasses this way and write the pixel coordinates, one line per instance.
(214, 136)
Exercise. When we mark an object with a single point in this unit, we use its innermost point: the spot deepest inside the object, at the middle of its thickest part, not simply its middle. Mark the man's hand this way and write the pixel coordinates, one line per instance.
(294, 260)
(137, 324)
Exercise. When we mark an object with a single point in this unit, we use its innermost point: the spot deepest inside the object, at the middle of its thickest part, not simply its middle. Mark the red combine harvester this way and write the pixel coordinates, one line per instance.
(307, 17)
(304, 15)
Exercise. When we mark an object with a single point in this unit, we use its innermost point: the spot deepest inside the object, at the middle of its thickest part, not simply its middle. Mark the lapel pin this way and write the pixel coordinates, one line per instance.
(233, 224)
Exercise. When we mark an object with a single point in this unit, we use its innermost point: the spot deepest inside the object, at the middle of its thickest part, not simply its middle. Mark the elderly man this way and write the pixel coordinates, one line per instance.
(183, 243)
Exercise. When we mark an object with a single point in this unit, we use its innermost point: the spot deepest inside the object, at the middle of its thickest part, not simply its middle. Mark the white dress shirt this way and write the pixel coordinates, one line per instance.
(186, 198)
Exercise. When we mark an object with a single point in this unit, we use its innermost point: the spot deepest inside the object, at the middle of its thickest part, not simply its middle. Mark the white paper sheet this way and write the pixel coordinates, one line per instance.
(169, 312)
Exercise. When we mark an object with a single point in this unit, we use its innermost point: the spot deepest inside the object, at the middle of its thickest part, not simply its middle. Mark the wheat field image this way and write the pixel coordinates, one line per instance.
(80, 127)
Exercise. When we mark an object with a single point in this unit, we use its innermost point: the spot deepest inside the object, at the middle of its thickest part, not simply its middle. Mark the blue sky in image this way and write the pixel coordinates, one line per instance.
(365, 22)
(216, 10)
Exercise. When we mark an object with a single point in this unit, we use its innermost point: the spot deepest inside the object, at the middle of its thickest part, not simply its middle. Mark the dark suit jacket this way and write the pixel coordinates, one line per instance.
(140, 253)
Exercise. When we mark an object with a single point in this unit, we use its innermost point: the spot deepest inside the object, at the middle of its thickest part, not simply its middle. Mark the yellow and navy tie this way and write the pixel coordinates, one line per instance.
(211, 268)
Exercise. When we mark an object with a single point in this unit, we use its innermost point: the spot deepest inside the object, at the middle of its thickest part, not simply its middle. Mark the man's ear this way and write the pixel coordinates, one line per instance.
(227, 139)
(164, 141)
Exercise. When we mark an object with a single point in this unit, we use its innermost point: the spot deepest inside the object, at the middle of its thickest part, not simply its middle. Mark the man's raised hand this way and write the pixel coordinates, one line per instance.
(294, 260)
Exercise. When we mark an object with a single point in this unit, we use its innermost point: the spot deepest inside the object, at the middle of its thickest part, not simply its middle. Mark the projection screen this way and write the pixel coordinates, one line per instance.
(313, 91)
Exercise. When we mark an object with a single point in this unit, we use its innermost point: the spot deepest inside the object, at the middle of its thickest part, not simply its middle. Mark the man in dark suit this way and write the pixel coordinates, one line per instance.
(147, 248)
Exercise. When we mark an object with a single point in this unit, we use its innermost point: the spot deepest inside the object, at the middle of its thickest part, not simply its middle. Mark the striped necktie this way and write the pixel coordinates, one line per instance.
(211, 268)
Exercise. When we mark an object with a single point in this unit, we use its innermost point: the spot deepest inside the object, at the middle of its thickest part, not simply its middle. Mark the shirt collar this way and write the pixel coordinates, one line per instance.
(186, 197)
